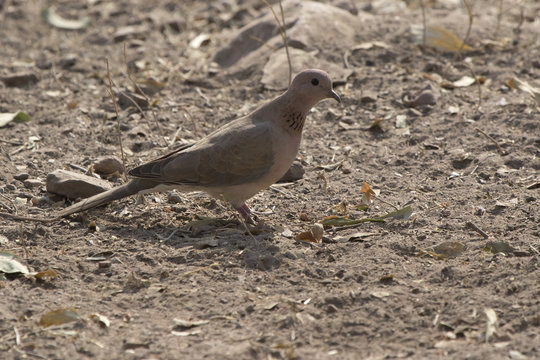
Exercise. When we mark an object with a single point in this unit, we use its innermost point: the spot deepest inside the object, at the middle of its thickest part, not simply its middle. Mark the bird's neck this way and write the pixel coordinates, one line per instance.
(292, 113)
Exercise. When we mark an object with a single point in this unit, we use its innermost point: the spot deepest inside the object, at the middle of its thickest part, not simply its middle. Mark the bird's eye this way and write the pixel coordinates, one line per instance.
(315, 81)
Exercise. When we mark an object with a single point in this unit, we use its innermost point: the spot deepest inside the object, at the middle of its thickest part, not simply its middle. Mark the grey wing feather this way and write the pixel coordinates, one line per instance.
(232, 155)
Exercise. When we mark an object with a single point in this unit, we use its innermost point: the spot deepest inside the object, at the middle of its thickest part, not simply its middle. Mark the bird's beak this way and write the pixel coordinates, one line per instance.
(335, 96)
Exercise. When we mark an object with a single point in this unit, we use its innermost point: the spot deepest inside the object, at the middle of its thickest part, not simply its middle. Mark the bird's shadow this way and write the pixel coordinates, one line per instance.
(215, 235)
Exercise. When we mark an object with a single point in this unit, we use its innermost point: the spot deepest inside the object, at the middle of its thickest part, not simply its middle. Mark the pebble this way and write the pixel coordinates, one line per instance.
(21, 176)
(108, 165)
(32, 183)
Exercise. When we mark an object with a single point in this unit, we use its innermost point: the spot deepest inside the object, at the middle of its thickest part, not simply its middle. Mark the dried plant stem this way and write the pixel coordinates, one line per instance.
(424, 25)
(469, 27)
(491, 139)
(282, 32)
(111, 94)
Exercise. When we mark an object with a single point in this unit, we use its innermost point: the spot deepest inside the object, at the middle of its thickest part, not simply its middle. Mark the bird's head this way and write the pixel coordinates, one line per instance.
(312, 86)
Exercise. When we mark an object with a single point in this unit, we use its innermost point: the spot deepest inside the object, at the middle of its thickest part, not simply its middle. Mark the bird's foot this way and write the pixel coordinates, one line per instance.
(246, 213)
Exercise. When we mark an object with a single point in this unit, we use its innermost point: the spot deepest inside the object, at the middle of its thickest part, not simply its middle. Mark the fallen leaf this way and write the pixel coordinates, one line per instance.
(103, 321)
(330, 167)
(491, 325)
(367, 193)
(186, 333)
(369, 45)
(9, 264)
(380, 294)
(499, 247)
(314, 234)
(17, 117)
(59, 317)
(518, 84)
(52, 18)
(438, 38)
(510, 203)
(43, 274)
(401, 214)
(465, 81)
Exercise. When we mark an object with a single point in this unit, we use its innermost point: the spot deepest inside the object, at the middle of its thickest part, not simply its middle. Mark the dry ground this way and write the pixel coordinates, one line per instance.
(387, 295)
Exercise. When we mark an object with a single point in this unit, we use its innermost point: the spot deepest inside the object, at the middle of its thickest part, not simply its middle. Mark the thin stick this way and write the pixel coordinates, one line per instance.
(285, 41)
(111, 94)
(423, 24)
(282, 32)
(479, 86)
(472, 226)
(491, 139)
(15, 143)
(466, 38)
(11, 201)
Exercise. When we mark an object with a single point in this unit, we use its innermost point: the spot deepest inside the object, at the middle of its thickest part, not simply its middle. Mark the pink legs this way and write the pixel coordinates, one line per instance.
(246, 213)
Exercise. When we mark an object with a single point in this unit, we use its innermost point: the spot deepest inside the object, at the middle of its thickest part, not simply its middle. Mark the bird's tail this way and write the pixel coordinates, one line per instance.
(131, 188)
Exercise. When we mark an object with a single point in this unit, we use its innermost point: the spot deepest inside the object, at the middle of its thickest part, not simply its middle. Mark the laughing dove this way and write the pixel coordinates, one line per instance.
(236, 161)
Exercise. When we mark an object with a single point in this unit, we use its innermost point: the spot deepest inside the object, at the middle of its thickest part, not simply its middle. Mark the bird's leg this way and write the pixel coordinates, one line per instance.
(246, 213)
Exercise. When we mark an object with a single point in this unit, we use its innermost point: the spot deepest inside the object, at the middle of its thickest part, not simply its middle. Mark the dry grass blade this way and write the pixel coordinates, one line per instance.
(111, 94)
(282, 32)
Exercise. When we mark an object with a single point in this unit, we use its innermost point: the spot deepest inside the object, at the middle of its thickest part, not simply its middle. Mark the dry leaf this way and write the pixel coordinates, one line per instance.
(103, 321)
(44, 274)
(59, 317)
(314, 234)
(491, 325)
(518, 84)
(367, 194)
(438, 38)
(10, 265)
(465, 81)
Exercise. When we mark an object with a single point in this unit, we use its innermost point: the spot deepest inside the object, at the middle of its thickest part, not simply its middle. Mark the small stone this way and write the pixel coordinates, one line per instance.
(67, 61)
(21, 176)
(32, 183)
(74, 185)
(104, 264)
(174, 198)
(20, 80)
(368, 97)
(295, 172)
(39, 200)
(109, 165)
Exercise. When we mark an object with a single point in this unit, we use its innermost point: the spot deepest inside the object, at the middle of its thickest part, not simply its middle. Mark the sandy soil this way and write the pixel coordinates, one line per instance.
(389, 292)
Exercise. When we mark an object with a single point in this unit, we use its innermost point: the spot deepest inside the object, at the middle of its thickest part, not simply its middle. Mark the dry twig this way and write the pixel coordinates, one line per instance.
(111, 94)
(492, 140)
(282, 32)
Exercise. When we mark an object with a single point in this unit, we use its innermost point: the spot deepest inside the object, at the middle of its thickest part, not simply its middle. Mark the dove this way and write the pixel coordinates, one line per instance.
(236, 161)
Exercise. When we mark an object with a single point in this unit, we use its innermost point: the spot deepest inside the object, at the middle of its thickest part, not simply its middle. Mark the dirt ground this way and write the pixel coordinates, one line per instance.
(388, 292)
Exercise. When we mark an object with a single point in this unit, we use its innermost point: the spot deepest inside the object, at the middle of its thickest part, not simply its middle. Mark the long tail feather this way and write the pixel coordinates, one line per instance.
(131, 188)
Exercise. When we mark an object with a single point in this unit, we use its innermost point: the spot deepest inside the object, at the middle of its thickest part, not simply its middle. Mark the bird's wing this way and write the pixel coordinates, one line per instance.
(233, 155)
